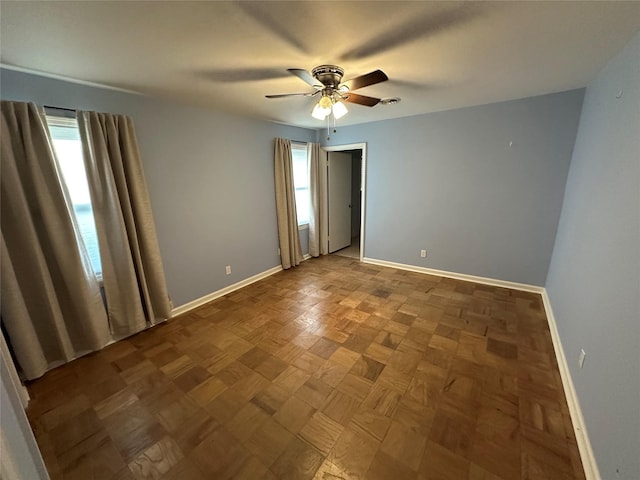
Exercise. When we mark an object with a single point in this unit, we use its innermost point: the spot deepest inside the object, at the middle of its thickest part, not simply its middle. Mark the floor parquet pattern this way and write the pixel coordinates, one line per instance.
(332, 370)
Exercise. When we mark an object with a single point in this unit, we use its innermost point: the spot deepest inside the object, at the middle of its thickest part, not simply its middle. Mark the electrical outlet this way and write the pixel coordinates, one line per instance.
(581, 357)
(227, 269)
(423, 253)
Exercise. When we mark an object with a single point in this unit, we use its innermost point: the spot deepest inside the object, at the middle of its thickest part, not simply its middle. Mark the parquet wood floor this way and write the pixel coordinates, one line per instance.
(334, 370)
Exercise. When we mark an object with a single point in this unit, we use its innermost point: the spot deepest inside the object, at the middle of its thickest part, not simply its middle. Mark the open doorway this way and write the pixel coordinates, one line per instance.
(345, 198)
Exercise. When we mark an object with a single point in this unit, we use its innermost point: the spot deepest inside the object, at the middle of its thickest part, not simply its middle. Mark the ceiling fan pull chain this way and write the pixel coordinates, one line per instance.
(328, 128)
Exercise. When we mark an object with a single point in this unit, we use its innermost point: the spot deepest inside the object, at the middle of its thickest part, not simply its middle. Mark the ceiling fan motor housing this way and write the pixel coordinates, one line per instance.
(328, 75)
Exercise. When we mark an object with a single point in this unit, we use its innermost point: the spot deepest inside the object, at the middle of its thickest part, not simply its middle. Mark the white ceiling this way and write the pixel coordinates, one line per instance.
(228, 55)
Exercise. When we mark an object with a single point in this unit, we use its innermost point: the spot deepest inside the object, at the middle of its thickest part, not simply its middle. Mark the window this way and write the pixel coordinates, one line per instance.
(66, 143)
(301, 182)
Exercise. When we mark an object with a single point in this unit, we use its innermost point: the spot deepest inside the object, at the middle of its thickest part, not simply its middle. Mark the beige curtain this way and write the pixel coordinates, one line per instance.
(133, 276)
(318, 223)
(290, 249)
(52, 310)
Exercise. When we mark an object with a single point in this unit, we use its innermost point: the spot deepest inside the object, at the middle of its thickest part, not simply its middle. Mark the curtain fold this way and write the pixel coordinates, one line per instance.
(318, 222)
(290, 249)
(52, 309)
(133, 275)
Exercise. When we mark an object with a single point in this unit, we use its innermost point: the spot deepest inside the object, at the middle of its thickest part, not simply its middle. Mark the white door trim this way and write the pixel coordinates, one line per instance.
(357, 146)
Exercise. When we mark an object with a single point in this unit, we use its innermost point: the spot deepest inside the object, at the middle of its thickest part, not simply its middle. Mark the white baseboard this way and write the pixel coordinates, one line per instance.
(458, 276)
(580, 429)
(224, 291)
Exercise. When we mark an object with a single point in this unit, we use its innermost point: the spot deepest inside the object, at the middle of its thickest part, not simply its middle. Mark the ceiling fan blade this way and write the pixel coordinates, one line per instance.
(242, 74)
(370, 78)
(304, 76)
(282, 95)
(267, 16)
(421, 26)
(360, 99)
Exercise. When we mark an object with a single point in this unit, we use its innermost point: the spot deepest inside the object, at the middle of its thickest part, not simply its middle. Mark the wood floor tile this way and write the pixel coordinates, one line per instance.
(340, 407)
(394, 379)
(156, 460)
(309, 362)
(355, 386)
(183, 470)
(368, 368)
(72, 432)
(382, 399)
(441, 463)
(64, 412)
(415, 416)
(193, 431)
(219, 455)
(332, 373)
(270, 399)
(271, 367)
(298, 462)
(385, 467)
(332, 370)
(292, 379)
(404, 444)
(329, 471)
(321, 432)
(253, 469)
(269, 441)
(207, 391)
(245, 423)
(379, 352)
(502, 459)
(174, 415)
(294, 414)
(192, 378)
(353, 453)
(345, 357)
(453, 432)
(314, 392)
(324, 348)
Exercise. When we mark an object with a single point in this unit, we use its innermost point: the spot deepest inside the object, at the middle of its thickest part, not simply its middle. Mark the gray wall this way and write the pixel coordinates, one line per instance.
(450, 183)
(594, 277)
(210, 179)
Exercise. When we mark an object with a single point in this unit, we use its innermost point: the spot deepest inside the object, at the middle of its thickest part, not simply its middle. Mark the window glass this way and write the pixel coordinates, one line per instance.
(68, 148)
(301, 182)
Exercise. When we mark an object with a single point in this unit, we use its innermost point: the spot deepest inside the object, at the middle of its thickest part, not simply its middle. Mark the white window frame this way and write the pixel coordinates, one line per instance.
(66, 121)
(303, 147)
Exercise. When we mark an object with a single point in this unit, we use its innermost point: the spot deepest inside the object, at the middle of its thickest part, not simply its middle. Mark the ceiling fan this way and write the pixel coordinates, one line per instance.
(327, 82)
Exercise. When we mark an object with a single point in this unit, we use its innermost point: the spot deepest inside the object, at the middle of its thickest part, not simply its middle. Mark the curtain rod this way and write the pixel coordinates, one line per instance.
(61, 108)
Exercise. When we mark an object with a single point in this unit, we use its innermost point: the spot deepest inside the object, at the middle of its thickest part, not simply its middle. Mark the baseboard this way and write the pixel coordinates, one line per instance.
(582, 438)
(222, 292)
(458, 276)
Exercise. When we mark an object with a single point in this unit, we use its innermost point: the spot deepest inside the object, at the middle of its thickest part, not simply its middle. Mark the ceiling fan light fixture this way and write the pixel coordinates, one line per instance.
(320, 112)
(339, 110)
(325, 102)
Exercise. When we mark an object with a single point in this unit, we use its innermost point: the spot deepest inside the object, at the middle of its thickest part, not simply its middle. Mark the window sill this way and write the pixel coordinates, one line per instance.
(304, 226)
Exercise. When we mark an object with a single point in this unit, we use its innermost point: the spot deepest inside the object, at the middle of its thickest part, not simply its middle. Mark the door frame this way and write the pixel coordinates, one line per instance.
(363, 184)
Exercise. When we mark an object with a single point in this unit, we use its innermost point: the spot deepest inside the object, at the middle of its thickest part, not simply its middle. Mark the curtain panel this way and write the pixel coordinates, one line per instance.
(290, 249)
(133, 275)
(52, 310)
(318, 222)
